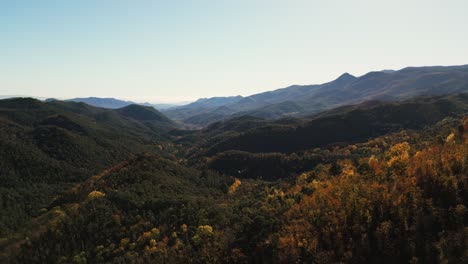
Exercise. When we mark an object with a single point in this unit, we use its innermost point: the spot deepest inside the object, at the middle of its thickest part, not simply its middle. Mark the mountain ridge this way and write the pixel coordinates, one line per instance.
(346, 89)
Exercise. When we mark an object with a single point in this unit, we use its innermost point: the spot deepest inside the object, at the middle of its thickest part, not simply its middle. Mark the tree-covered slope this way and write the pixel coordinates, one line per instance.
(397, 198)
(47, 146)
(358, 124)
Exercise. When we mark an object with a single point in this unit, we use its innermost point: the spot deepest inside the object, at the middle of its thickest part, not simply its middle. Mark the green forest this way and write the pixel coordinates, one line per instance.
(380, 183)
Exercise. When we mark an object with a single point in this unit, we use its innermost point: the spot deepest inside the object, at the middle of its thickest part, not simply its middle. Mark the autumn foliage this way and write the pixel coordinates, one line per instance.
(412, 207)
(398, 198)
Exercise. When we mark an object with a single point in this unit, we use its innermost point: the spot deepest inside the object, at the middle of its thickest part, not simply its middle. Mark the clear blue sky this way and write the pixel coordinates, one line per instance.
(181, 50)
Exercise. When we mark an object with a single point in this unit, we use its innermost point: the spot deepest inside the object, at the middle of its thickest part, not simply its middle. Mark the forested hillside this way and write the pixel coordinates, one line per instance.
(377, 183)
(342, 125)
(45, 147)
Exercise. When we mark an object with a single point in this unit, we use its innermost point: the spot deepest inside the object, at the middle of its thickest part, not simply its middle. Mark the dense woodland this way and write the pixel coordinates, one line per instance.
(375, 183)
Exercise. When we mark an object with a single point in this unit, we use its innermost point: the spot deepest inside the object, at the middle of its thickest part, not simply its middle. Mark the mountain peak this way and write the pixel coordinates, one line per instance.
(346, 77)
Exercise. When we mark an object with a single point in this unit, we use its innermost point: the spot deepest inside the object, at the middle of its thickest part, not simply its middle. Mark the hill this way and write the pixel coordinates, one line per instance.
(50, 145)
(343, 125)
(143, 113)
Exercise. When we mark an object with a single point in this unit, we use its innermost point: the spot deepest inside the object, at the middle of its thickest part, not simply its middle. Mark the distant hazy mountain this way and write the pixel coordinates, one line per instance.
(111, 103)
(216, 101)
(160, 106)
(202, 106)
(5, 96)
(301, 100)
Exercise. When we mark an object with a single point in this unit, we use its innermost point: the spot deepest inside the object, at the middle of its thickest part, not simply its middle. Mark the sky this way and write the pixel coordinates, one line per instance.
(171, 51)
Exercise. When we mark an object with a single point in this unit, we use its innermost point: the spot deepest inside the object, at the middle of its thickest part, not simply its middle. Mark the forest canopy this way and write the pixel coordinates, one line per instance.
(74, 190)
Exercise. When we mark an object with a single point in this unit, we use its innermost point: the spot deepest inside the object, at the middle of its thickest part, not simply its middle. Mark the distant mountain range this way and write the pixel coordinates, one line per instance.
(307, 100)
(303, 100)
(113, 103)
